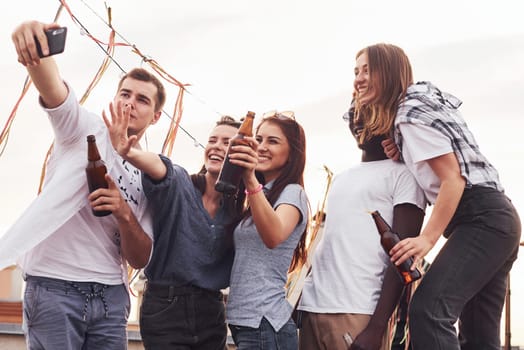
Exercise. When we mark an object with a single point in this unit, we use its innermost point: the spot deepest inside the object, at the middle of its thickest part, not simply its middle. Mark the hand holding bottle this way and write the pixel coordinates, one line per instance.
(388, 239)
(231, 173)
(109, 200)
(244, 154)
(415, 248)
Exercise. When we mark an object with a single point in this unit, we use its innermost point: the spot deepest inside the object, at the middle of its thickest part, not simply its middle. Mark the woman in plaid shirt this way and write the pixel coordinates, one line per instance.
(467, 280)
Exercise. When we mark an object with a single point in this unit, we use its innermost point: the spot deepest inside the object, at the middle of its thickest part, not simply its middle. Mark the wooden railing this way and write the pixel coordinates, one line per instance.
(11, 312)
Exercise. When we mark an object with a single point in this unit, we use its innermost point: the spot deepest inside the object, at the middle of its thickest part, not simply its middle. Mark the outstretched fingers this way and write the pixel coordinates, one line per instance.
(118, 128)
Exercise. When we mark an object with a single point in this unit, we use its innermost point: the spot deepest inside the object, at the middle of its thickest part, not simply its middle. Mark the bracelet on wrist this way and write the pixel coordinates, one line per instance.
(256, 190)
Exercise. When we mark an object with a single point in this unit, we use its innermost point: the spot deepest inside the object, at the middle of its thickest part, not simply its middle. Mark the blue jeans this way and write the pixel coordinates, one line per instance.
(62, 314)
(265, 337)
(467, 280)
(182, 318)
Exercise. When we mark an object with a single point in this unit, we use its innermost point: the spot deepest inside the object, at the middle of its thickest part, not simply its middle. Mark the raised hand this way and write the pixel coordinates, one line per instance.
(118, 126)
(24, 37)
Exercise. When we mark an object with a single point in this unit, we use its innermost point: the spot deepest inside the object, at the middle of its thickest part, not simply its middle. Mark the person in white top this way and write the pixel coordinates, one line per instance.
(75, 263)
(353, 287)
(467, 280)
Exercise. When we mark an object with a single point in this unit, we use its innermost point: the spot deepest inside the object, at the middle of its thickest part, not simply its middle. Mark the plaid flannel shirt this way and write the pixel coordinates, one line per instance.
(425, 104)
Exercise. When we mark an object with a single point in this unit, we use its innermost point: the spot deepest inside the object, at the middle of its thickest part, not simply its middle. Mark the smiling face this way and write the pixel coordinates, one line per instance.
(364, 88)
(140, 96)
(273, 150)
(216, 147)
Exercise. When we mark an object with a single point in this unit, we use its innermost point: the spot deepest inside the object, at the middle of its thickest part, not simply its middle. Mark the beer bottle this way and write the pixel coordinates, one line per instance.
(95, 171)
(231, 174)
(388, 239)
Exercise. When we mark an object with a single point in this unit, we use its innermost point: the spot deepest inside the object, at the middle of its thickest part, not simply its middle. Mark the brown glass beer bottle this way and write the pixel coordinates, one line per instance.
(388, 239)
(230, 174)
(95, 171)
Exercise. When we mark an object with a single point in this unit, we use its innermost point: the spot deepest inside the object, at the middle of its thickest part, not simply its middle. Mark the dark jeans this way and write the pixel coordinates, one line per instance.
(467, 280)
(182, 318)
(265, 337)
(62, 314)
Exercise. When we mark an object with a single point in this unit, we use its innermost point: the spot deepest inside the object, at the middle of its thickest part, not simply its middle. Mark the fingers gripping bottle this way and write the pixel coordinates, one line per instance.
(95, 171)
(231, 174)
(388, 239)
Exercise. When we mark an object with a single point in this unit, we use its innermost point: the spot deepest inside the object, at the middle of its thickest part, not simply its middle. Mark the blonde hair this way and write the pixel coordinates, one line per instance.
(390, 75)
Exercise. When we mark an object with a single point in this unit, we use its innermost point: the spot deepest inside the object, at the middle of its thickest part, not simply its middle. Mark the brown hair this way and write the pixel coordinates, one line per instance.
(145, 76)
(228, 120)
(198, 179)
(234, 203)
(292, 172)
(390, 75)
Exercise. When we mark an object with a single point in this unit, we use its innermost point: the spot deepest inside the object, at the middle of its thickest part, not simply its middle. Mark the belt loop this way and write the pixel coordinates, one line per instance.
(171, 293)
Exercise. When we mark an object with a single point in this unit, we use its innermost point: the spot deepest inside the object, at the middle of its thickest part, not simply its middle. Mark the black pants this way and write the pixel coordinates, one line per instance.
(467, 279)
(182, 318)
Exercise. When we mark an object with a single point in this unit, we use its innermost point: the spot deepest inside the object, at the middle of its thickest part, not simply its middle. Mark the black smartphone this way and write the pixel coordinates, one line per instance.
(55, 39)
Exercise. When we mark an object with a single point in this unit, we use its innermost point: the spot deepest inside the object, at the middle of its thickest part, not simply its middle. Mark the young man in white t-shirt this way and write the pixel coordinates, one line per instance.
(75, 263)
(353, 287)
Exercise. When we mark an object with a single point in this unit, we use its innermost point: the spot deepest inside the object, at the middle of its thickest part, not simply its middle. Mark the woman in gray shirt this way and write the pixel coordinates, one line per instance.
(270, 236)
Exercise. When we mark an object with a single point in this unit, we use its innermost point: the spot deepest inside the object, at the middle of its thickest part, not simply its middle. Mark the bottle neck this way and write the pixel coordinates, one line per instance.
(92, 151)
(246, 129)
(382, 225)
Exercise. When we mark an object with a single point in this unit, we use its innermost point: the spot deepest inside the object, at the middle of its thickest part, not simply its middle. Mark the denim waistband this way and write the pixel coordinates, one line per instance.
(480, 204)
(169, 291)
(57, 281)
(88, 290)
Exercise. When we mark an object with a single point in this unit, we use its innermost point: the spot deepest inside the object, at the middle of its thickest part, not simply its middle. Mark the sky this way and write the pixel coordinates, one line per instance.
(240, 55)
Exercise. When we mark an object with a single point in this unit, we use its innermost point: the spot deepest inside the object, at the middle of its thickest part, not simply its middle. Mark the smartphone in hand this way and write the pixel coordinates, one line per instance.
(55, 39)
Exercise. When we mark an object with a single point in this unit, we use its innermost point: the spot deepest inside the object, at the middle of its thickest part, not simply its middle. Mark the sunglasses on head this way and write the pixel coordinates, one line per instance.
(348, 115)
(279, 115)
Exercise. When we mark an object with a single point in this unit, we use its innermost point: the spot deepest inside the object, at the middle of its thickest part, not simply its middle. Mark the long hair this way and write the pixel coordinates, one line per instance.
(390, 75)
(292, 172)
